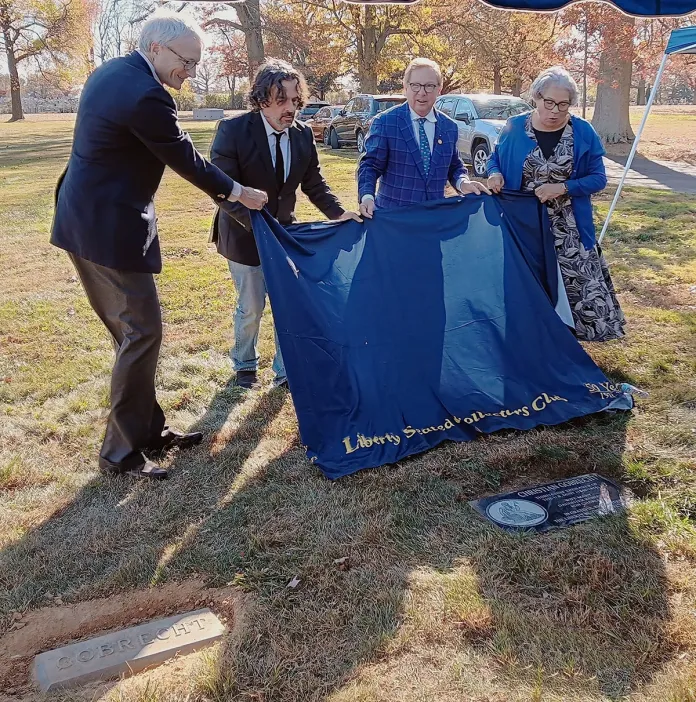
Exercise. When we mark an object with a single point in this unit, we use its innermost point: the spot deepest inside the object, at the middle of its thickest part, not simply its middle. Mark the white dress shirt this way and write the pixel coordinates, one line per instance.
(237, 189)
(284, 144)
(429, 125)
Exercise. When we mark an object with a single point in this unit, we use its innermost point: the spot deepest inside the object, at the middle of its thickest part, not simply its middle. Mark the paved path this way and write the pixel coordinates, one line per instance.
(660, 175)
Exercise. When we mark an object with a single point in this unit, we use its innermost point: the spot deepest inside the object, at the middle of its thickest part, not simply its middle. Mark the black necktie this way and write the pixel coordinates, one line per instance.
(279, 163)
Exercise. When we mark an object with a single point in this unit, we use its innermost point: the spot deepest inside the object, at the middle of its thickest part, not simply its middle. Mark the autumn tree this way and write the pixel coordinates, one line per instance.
(233, 61)
(54, 31)
(207, 73)
(116, 25)
(651, 40)
(368, 30)
(248, 21)
(305, 35)
(611, 113)
(581, 44)
(509, 48)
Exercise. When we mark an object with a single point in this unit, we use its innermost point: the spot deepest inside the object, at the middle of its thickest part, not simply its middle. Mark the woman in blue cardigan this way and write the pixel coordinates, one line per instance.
(559, 158)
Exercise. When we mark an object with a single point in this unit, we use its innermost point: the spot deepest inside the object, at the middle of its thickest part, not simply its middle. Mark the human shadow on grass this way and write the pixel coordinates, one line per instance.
(583, 609)
(114, 532)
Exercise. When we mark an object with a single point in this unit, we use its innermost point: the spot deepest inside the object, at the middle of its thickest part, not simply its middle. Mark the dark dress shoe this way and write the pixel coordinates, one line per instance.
(135, 466)
(176, 439)
(247, 379)
(147, 471)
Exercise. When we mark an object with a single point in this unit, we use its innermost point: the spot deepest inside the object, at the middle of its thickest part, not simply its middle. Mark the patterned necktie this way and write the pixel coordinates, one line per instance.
(424, 144)
(279, 163)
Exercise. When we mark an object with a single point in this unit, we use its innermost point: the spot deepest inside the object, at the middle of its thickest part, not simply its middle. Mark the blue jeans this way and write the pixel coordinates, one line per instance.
(251, 300)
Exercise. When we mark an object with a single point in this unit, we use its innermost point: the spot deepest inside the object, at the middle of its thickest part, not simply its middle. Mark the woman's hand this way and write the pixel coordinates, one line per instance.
(496, 183)
(550, 191)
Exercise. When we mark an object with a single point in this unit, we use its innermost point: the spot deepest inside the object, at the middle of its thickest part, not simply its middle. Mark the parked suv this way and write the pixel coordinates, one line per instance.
(350, 126)
(480, 119)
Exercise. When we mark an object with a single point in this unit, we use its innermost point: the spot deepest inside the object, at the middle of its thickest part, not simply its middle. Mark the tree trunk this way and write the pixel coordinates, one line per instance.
(15, 91)
(611, 114)
(517, 86)
(249, 14)
(232, 85)
(641, 92)
(367, 53)
(497, 80)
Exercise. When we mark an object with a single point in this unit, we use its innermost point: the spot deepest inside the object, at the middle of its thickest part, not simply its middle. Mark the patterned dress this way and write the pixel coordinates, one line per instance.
(593, 303)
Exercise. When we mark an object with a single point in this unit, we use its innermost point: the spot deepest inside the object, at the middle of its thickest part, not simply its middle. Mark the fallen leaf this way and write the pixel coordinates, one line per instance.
(342, 563)
(294, 582)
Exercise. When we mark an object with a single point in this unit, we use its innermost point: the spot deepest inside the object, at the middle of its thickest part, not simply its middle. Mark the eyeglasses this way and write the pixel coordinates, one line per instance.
(417, 87)
(552, 104)
(189, 64)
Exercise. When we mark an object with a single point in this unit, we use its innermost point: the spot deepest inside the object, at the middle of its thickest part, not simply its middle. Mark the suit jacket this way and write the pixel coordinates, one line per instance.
(392, 156)
(126, 131)
(240, 148)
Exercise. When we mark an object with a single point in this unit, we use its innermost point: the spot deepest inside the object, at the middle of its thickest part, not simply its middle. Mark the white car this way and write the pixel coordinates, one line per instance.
(480, 118)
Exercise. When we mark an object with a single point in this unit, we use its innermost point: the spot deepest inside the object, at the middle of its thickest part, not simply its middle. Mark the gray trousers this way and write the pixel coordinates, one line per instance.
(128, 305)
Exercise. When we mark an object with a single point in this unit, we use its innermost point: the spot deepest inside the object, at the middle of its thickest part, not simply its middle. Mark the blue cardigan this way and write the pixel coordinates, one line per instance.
(588, 174)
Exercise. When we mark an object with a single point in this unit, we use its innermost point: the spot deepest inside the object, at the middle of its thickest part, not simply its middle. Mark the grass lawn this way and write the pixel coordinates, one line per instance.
(669, 134)
(434, 604)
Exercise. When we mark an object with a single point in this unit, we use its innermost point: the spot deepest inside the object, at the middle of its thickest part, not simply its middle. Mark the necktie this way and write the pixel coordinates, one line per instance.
(424, 144)
(279, 163)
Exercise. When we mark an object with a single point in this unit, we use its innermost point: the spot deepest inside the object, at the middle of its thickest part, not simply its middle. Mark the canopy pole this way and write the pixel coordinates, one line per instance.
(634, 148)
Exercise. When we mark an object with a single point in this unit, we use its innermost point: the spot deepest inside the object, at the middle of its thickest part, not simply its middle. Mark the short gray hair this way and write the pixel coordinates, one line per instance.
(558, 76)
(165, 27)
(422, 63)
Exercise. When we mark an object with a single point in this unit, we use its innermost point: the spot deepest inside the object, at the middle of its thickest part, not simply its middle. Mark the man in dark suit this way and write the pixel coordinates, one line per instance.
(266, 149)
(125, 133)
(412, 149)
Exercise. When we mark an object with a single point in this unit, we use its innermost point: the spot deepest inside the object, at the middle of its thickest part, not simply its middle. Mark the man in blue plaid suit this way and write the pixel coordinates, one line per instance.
(412, 149)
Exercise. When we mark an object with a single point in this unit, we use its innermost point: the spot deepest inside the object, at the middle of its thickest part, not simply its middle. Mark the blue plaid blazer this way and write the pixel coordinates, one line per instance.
(392, 156)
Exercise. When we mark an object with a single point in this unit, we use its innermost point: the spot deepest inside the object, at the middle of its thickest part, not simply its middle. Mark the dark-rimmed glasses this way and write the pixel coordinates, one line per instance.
(550, 105)
(428, 87)
(189, 64)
